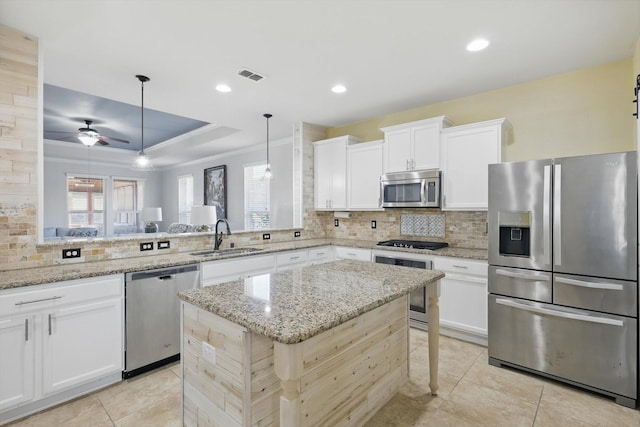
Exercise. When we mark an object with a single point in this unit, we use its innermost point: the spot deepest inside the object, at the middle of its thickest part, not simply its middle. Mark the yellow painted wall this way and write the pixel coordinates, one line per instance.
(583, 112)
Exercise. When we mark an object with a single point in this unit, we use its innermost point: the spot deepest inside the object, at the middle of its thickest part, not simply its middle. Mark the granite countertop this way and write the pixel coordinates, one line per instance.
(79, 270)
(295, 305)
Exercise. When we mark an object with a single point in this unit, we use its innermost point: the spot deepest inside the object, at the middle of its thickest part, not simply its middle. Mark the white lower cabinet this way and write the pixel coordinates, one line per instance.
(321, 255)
(463, 299)
(58, 341)
(92, 327)
(17, 361)
(359, 254)
(216, 272)
(291, 259)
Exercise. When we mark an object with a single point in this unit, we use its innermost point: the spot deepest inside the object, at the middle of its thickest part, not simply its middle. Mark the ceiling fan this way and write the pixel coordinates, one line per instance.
(89, 136)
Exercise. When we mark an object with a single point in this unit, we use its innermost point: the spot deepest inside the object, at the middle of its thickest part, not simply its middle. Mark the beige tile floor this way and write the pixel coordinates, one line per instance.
(472, 393)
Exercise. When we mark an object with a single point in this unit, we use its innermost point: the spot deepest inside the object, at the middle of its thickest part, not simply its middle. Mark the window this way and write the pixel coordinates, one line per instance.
(85, 203)
(257, 198)
(185, 198)
(126, 194)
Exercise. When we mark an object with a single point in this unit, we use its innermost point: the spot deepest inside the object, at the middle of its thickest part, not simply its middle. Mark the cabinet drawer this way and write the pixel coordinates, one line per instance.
(320, 255)
(457, 265)
(59, 294)
(290, 258)
(353, 253)
(236, 267)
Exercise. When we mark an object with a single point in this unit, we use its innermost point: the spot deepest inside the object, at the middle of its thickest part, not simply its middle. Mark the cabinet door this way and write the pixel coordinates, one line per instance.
(322, 175)
(82, 343)
(364, 166)
(338, 162)
(463, 303)
(426, 146)
(397, 151)
(17, 361)
(466, 155)
(330, 173)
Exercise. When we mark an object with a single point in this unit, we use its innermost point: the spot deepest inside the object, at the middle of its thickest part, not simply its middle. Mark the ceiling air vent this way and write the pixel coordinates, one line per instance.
(250, 75)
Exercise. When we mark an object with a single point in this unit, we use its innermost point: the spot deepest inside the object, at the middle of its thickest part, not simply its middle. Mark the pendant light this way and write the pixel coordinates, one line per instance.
(267, 171)
(142, 161)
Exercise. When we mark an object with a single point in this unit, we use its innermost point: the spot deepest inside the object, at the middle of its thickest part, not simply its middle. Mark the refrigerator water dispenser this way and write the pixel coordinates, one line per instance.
(515, 233)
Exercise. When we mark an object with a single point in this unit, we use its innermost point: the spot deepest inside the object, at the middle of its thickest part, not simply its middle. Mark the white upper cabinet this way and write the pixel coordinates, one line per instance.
(414, 145)
(466, 153)
(330, 172)
(364, 167)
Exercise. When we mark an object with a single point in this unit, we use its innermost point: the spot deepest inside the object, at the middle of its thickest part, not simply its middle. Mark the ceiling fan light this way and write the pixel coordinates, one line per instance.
(88, 138)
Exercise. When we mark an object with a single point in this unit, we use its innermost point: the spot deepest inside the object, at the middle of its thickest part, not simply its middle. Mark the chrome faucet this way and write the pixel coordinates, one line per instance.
(218, 240)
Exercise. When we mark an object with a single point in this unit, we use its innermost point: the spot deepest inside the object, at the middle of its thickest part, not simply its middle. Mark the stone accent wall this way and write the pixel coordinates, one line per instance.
(313, 226)
(18, 149)
(462, 229)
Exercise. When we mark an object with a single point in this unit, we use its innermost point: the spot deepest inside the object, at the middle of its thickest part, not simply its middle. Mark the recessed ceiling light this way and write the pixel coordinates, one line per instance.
(223, 88)
(477, 44)
(338, 89)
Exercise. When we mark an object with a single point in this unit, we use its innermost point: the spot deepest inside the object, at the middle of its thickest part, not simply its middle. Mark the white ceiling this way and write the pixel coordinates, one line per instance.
(391, 55)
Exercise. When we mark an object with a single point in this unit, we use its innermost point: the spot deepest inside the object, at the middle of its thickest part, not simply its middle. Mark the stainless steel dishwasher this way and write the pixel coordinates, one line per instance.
(152, 316)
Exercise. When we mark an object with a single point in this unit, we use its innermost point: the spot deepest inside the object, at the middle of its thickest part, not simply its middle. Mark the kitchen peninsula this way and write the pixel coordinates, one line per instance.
(326, 344)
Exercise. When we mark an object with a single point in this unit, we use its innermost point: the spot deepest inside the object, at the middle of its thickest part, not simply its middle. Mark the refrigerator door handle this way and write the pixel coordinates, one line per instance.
(546, 217)
(561, 314)
(557, 214)
(591, 285)
(506, 273)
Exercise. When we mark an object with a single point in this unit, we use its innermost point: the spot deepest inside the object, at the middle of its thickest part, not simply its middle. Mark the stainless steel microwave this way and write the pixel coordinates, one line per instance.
(414, 189)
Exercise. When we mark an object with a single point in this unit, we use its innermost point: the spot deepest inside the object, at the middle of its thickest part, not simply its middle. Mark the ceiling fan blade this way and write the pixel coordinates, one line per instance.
(56, 131)
(101, 141)
(115, 139)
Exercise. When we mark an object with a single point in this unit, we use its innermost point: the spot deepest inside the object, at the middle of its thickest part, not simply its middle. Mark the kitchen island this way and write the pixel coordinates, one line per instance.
(321, 345)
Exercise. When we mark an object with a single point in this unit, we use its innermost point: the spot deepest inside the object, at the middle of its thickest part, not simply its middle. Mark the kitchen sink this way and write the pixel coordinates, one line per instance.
(222, 252)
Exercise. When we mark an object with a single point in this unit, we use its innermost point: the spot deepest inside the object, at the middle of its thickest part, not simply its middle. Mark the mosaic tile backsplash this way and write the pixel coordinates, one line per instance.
(422, 225)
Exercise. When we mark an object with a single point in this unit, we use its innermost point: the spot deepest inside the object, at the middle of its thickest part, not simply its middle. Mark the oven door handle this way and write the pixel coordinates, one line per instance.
(590, 285)
(561, 314)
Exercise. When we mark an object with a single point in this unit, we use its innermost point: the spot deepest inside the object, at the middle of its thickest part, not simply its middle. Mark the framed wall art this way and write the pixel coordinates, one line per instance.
(215, 189)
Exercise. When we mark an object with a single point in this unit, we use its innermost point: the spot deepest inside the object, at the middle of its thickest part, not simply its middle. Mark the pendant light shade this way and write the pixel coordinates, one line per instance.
(142, 161)
(267, 171)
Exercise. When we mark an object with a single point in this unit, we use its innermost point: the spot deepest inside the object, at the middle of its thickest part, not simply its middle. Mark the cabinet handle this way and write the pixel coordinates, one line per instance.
(459, 266)
(407, 165)
(294, 257)
(413, 164)
(37, 300)
(49, 324)
(26, 329)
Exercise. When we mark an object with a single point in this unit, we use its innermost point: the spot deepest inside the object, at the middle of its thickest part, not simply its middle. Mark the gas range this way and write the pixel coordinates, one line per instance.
(414, 244)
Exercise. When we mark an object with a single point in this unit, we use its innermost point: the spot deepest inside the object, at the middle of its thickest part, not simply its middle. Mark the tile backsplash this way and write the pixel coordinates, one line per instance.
(422, 225)
(465, 229)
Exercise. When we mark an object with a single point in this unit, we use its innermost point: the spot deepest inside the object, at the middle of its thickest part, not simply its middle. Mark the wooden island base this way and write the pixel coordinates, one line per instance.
(342, 376)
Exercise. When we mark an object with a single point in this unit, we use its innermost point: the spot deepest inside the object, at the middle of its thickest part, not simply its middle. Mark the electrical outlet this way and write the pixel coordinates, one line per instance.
(373, 224)
(209, 353)
(336, 223)
(164, 245)
(296, 234)
(266, 236)
(146, 246)
(71, 253)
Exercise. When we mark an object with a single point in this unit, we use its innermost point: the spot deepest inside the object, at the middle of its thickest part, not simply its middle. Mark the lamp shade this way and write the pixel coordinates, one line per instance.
(203, 215)
(152, 214)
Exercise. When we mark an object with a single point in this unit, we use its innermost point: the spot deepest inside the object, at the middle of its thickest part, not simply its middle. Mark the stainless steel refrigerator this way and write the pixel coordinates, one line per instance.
(563, 270)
